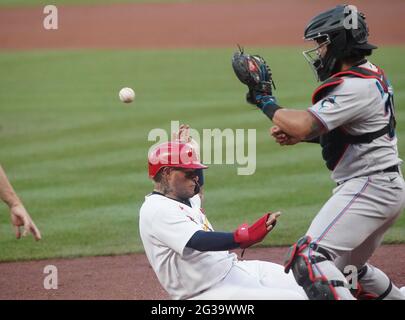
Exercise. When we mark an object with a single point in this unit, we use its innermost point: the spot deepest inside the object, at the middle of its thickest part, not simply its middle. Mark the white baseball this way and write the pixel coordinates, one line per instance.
(127, 95)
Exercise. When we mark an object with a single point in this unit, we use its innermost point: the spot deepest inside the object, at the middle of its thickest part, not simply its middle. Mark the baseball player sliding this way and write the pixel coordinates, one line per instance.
(352, 118)
(190, 259)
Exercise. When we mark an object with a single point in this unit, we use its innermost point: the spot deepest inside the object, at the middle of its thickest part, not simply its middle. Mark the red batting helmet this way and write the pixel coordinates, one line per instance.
(173, 154)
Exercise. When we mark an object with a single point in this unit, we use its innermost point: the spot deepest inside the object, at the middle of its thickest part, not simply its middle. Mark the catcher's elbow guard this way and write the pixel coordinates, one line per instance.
(301, 264)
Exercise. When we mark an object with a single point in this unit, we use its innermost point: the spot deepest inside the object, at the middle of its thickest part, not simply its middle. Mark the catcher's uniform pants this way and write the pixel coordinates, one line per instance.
(351, 225)
(255, 280)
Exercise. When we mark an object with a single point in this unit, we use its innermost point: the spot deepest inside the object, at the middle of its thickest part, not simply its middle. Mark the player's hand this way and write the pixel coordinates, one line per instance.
(183, 135)
(281, 137)
(247, 235)
(272, 220)
(21, 219)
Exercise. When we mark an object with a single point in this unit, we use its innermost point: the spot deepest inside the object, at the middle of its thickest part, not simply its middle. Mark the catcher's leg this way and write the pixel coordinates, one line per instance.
(372, 283)
(315, 272)
(350, 217)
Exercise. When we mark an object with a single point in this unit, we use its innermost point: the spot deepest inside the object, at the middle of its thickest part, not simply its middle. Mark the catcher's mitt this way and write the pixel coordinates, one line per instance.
(254, 72)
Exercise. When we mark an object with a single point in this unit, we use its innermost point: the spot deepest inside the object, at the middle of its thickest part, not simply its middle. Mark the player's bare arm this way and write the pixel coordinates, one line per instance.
(7, 193)
(298, 124)
(18, 214)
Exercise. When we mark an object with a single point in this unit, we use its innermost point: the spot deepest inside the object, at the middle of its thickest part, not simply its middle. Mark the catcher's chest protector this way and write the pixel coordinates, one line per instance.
(335, 142)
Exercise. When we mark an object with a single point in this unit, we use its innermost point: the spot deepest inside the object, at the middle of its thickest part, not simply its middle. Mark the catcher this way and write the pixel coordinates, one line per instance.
(190, 259)
(352, 118)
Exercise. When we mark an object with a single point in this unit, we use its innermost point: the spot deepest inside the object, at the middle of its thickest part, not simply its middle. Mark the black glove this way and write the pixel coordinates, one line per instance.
(254, 72)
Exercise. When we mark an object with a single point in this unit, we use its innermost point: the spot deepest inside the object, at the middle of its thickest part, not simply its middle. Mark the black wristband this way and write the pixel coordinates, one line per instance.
(270, 109)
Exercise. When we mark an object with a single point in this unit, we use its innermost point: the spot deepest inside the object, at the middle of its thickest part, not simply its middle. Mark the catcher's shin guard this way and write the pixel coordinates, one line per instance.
(301, 264)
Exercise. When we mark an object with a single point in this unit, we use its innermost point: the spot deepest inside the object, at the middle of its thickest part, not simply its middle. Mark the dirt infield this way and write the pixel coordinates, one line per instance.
(131, 277)
(197, 24)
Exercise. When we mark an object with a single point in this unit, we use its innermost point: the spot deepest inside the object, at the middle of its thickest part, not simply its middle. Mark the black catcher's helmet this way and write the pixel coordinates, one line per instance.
(343, 30)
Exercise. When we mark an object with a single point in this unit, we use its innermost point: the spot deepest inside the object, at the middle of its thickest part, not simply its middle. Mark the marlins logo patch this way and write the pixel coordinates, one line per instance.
(331, 100)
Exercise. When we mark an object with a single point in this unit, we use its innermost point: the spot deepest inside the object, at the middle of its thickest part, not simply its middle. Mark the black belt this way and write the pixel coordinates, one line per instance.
(389, 169)
(392, 169)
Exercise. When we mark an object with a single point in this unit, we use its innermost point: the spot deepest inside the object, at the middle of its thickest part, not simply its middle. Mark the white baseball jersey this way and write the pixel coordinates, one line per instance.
(166, 226)
(358, 106)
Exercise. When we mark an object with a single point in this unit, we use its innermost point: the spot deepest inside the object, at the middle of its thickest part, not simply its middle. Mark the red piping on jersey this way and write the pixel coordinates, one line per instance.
(339, 81)
(360, 75)
(379, 72)
(377, 75)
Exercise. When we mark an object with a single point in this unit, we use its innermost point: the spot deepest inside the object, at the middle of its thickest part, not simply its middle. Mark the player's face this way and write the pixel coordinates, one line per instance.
(322, 48)
(183, 182)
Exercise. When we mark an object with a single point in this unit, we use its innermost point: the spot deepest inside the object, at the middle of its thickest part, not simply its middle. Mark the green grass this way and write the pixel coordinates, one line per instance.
(14, 3)
(77, 156)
